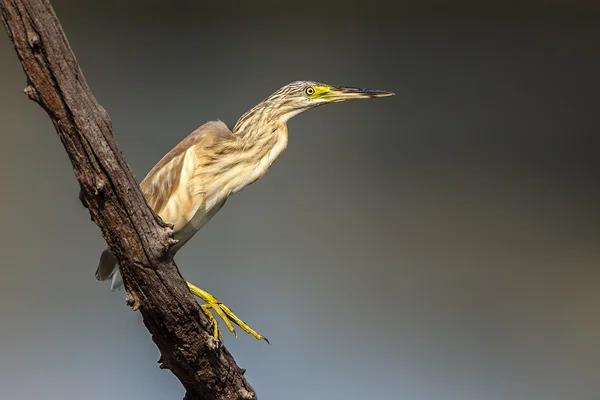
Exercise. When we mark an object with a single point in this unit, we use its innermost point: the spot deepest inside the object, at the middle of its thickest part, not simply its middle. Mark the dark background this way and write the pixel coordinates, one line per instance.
(441, 244)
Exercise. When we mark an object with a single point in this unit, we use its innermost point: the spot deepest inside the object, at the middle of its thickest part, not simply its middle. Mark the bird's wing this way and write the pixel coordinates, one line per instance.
(174, 186)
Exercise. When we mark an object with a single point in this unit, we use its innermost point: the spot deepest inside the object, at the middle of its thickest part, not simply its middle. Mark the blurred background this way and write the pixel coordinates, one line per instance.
(442, 244)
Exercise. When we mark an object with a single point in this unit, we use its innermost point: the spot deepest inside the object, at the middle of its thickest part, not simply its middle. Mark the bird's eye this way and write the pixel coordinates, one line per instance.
(309, 91)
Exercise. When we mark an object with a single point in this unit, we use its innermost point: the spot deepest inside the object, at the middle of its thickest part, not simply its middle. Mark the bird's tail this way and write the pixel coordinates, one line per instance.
(108, 268)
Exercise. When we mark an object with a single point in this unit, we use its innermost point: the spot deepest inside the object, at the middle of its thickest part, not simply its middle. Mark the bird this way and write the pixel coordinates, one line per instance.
(192, 182)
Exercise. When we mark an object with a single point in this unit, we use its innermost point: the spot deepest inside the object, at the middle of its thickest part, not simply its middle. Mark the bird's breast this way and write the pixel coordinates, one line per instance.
(246, 171)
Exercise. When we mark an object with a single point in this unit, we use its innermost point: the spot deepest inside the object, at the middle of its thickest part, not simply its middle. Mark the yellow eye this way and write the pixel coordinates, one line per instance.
(309, 91)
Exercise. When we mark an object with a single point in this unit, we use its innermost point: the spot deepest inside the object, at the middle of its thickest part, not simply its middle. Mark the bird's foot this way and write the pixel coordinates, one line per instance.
(224, 312)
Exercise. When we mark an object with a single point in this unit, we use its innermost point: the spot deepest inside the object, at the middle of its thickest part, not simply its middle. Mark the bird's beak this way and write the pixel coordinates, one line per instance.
(348, 93)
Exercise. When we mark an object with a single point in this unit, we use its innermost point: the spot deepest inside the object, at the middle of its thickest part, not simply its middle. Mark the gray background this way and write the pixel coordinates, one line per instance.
(442, 244)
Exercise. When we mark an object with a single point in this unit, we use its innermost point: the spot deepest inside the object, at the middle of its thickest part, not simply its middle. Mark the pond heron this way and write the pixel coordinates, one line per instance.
(191, 183)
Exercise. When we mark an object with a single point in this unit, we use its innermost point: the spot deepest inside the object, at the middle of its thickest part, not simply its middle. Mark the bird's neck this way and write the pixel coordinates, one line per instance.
(258, 151)
(264, 119)
(259, 142)
(263, 132)
(263, 145)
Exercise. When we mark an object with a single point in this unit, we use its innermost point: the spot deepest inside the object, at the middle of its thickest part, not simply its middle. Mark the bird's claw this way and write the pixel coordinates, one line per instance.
(211, 302)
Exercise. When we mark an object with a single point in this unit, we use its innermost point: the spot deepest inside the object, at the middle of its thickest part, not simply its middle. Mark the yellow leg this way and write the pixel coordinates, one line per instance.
(223, 311)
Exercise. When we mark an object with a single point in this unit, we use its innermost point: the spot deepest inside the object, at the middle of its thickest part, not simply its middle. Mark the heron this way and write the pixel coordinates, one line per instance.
(192, 182)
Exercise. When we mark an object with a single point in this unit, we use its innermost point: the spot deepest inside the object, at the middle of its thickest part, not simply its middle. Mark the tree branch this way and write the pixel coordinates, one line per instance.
(135, 234)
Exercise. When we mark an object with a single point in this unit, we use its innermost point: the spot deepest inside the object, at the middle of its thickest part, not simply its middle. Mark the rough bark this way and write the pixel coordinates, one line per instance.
(135, 234)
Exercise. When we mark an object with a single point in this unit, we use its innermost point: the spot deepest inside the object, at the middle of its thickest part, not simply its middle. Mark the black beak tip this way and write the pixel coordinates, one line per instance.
(383, 93)
(364, 92)
(372, 93)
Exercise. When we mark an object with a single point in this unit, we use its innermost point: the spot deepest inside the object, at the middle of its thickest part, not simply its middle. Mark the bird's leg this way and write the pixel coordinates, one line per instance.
(223, 311)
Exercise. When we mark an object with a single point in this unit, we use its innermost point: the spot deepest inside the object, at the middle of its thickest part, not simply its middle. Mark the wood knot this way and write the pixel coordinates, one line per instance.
(133, 301)
(100, 186)
(32, 93)
(246, 395)
(162, 364)
(170, 242)
(34, 41)
(213, 343)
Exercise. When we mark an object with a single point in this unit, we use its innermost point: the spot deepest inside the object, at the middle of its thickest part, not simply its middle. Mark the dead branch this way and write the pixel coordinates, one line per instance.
(135, 234)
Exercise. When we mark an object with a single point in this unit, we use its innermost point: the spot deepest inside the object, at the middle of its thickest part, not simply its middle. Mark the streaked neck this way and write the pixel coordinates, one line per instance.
(264, 119)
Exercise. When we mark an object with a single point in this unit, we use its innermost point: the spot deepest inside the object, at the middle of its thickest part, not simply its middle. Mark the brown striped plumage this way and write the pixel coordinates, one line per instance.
(192, 182)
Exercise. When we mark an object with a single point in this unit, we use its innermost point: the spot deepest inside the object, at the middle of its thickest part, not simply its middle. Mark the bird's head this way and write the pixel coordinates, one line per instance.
(299, 96)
